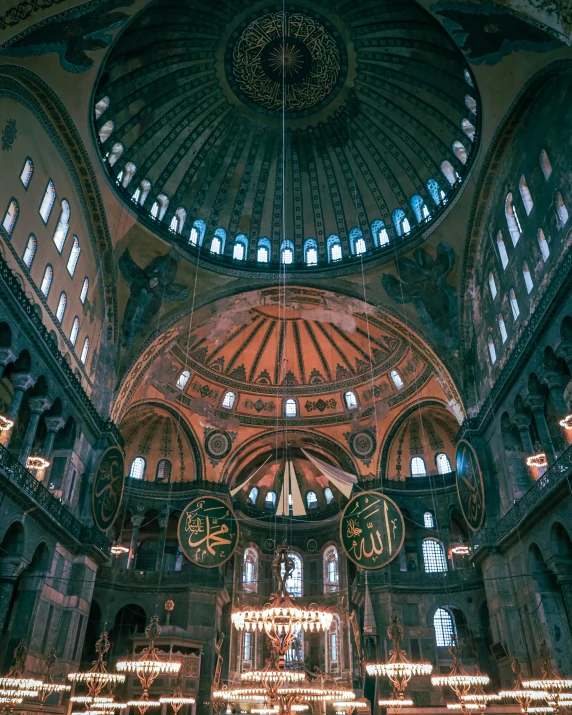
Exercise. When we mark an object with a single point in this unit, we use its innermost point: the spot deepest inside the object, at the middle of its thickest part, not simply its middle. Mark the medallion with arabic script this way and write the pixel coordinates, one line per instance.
(470, 486)
(208, 531)
(108, 488)
(372, 530)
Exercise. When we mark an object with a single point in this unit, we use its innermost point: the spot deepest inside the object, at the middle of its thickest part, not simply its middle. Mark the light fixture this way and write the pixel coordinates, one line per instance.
(89, 700)
(18, 693)
(97, 676)
(461, 550)
(265, 711)
(463, 706)
(521, 693)
(458, 679)
(537, 460)
(395, 703)
(177, 699)
(539, 709)
(37, 463)
(273, 676)
(11, 700)
(5, 424)
(13, 679)
(566, 422)
(20, 683)
(118, 549)
(480, 698)
(299, 707)
(550, 680)
(48, 687)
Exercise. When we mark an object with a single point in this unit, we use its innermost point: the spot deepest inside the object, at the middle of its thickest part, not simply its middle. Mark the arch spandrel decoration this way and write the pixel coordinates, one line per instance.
(470, 485)
(108, 488)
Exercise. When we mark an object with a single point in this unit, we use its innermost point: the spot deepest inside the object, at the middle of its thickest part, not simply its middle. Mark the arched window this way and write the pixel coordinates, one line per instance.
(253, 495)
(119, 178)
(85, 351)
(228, 400)
(145, 189)
(270, 500)
(444, 625)
(163, 472)
(350, 400)
(401, 223)
(155, 210)
(183, 379)
(543, 245)
(468, 78)
(247, 648)
(512, 219)
(26, 173)
(61, 309)
(74, 256)
(218, 241)
(11, 216)
(74, 331)
(240, 247)
(250, 571)
(502, 250)
(294, 581)
(418, 467)
(178, 220)
(434, 559)
(310, 252)
(62, 228)
(527, 277)
(492, 285)
(470, 104)
(128, 174)
(295, 654)
(197, 233)
(460, 152)
(331, 570)
(84, 289)
(333, 649)
(449, 172)
(396, 377)
(101, 106)
(428, 520)
(47, 280)
(48, 201)
(30, 251)
(106, 131)
(419, 208)
(116, 151)
(514, 303)
(468, 129)
(525, 195)
(435, 191)
(328, 495)
(136, 195)
(561, 210)
(290, 407)
(312, 500)
(545, 165)
(263, 251)
(502, 328)
(137, 470)
(492, 350)
(287, 252)
(357, 242)
(334, 247)
(443, 463)
(379, 233)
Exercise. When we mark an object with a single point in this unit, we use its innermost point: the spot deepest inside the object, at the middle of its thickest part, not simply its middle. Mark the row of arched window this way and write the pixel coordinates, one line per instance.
(270, 498)
(162, 473)
(515, 230)
(59, 238)
(419, 468)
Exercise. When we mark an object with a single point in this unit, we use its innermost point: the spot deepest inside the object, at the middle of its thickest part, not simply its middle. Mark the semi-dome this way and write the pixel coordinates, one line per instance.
(307, 135)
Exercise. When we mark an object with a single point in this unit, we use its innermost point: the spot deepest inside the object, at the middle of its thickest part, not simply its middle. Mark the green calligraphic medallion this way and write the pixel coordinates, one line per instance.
(208, 531)
(372, 530)
(470, 486)
(108, 488)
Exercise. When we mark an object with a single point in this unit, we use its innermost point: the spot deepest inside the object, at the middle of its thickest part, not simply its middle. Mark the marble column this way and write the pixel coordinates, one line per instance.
(53, 425)
(536, 405)
(10, 569)
(565, 583)
(163, 523)
(6, 356)
(522, 423)
(38, 405)
(553, 381)
(136, 521)
(21, 381)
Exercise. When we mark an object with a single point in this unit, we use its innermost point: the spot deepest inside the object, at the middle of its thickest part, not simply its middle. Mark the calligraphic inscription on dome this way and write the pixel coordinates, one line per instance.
(291, 61)
(108, 488)
(208, 531)
(372, 530)
(470, 486)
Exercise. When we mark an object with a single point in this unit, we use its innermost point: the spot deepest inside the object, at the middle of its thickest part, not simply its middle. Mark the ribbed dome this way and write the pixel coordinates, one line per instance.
(373, 97)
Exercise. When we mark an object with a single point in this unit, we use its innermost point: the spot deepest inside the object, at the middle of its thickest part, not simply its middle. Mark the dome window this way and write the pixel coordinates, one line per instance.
(503, 255)
(85, 351)
(290, 408)
(145, 189)
(62, 228)
(218, 241)
(294, 581)
(470, 104)
(525, 195)
(197, 233)
(328, 495)
(428, 520)
(74, 331)
(240, 248)
(444, 626)
(468, 78)
(401, 222)
(106, 131)
(61, 309)
(101, 107)
(502, 328)
(263, 251)
(84, 289)
(512, 220)
(250, 571)
(419, 208)
(443, 463)
(350, 400)
(30, 251)
(270, 500)
(331, 570)
(460, 152)
(287, 253)
(183, 379)
(47, 281)
(435, 191)
(433, 556)
(396, 378)
(127, 175)
(26, 173)
(492, 285)
(74, 256)
(136, 195)
(163, 472)
(48, 201)
(357, 242)
(527, 277)
(154, 210)
(418, 467)
(137, 470)
(379, 233)
(312, 500)
(449, 172)
(11, 216)
(115, 153)
(334, 247)
(545, 164)
(228, 400)
(492, 350)
(468, 129)
(543, 245)
(514, 304)
(311, 252)
(253, 495)
(561, 210)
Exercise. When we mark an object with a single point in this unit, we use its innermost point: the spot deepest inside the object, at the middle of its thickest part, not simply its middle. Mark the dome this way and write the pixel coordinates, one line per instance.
(311, 137)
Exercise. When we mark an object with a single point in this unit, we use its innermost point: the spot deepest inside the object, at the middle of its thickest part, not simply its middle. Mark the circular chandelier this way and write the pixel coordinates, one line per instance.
(48, 687)
(97, 676)
(523, 695)
(395, 703)
(14, 680)
(177, 699)
(550, 680)
(458, 679)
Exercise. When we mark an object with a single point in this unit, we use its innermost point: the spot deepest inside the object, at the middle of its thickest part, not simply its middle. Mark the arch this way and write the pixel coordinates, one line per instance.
(502, 327)
(240, 248)
(331, 570)
(435, 192)
(138, 467)
(250, 570)
(130, 618)
(84, 289)
(85, 351)
(419, 208)
(503, 255)
(101, 107)
(159, 207)
(270, 500)
(61, 309)
(379, 233)
(434, 560)
(333, 646)
(350, 399)
(560, 542)
(460, 151)
(294, 582)
(514, 303)
(543, 245)
(287, 252)
(145, 189)
(106, 131)
(47, 201)
(492, 350)
(74, 331)
(470, 104)
(163, 471)
(527, 277)
(263, 250)
(253, 495)
(357, 242)
(30, 251)
(178, 220)
(396, 379)
(468, 78)
(13, 541)
(561, 210)
(74, 256)
(449, 172)
(218, 241)
(310, 252)
(124, 177)
(27, 172)
(328, 495)
(401, 222)
(312, 500)
(228, 400)
(468, 129)
(183, 379)
(116, 151)
(545, 164)
(428, 520)
(418, 468)
(197, 233)
(443, 463)
(525, 195)
(11, 216)
(492, 285)
(445, 627)
(334, 248)
(512, 220)
(290, 407)
(46, 283)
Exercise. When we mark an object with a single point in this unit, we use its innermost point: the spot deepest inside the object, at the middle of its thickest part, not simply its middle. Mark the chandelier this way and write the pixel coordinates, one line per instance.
(395, 702)
(566, 422)
(281, 619)
(458, 679)
(97, 676)
(14, 679)
(523, 695)
(537, 460)
(550, 680)
(37, 463)
(177, 699)
(5, 424)
(48, 687)
(398, 669)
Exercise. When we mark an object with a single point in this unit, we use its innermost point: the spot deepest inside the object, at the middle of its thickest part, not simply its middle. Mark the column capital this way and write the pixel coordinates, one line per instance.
(54, 423)
(6, 356)
(163, 522)
(521, 420)
(39, 404)
(552, 379)
(11, 567)
(137, 519)
(22, 381)
(535, 402)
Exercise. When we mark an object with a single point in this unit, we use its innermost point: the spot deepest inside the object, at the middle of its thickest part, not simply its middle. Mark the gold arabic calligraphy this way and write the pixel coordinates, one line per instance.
(208, 531)
(372, 530)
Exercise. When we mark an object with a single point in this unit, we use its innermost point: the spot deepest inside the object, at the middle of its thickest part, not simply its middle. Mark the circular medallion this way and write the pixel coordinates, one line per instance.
(362, 444)
(470, 486)
(372, 530)
(218, 444)
(208, 531)
(286, 60)
(312, 544)
(269, 544)
(107, 488)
